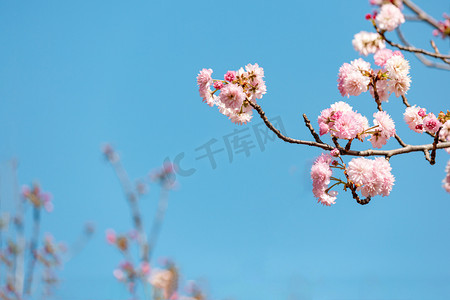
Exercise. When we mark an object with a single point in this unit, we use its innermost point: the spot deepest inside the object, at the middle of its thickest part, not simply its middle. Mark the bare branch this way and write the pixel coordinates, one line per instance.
(419, 56)
(311, 129)
(444, 58)
(421, 14)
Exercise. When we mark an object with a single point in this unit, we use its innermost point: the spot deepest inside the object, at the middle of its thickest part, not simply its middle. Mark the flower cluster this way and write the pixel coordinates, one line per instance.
(390, 17)
(235, 91)
(383, 130)
(368, 42)
(358, 77)
(444, 27)
(37, 197)
(165, 281)
(354, 78)
(128, 273)
(320, 175)
(371, 177)
(50, 256)
(342, 122)
(419, 121)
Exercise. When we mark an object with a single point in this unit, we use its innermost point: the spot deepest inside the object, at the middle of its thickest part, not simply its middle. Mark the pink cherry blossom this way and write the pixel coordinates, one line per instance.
(232, 96)
(431, 124)
(384, 131)
(390, 17)
(218, 85)
(413, 118)
(204, 81)
(230, 76)
(367, 42)
(352, 79)
(372, 177)
(320, 175)
(341, 121)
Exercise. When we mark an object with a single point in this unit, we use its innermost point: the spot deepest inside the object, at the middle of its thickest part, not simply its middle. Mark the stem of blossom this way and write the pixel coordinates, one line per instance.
(405, 101)
(33, 247)
(158, 220)
(132, 201)
(433, 151)
(311, 129)
(444, 58)
(328, 189)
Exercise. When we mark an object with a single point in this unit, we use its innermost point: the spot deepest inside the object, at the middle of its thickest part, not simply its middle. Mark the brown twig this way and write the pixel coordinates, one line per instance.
(311, 129)
(419, 56)
(444, 58)
(421, 14)
(433, 151)
(283, 137)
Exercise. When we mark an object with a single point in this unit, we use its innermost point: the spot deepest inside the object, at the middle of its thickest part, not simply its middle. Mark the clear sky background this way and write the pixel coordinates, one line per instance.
(77, 74)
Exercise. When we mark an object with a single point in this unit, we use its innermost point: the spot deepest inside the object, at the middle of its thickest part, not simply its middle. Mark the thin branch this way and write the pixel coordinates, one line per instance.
(444, 58)
(311, 129)
(405, 101)
(132, 201)
(283, 137)
(158, 220)
(421, 14)
(419, 56)
(433, 151)
(33, 247)
(427, 155)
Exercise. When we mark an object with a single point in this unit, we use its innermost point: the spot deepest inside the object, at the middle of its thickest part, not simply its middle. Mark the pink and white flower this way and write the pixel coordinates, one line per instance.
(320, 175)
(367, 42)
(431, 124)
(353, 79)
(390, 17)
(372, 177)
(384, 131)
(232, 96)
(413, 118)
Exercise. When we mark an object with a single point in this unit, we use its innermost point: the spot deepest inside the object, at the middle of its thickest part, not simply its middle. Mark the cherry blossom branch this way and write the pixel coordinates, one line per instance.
(444, 58)
(421, 14)
(285, 138)
(158, 220)
(132, 201)
(364, 153)
(33, 247)
(419, 56)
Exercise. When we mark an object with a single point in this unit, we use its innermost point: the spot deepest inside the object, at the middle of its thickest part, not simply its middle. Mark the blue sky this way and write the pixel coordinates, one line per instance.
(76, 75)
